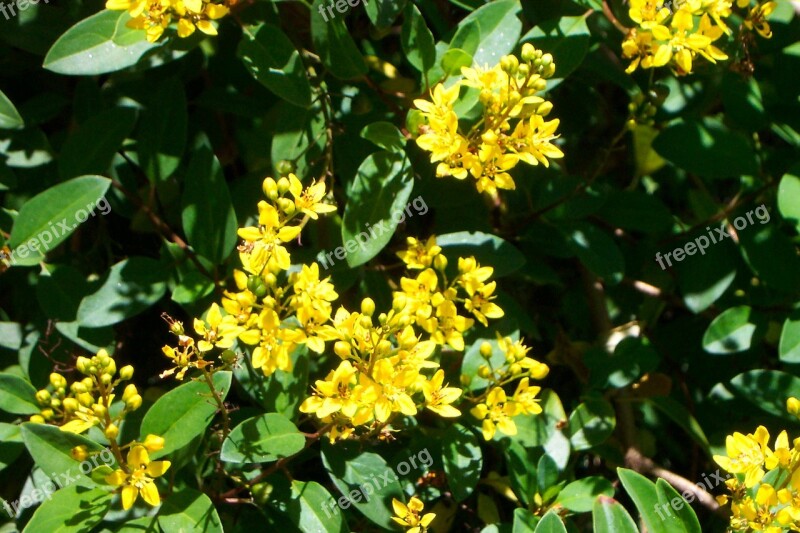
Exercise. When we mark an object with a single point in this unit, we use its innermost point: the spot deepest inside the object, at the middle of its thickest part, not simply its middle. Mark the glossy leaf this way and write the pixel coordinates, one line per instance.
(262, 439)
(9, 116)
(732, 331)
(463, 460)
(17, 396)
(189, 510)
(50, 448)
(334, 44)
(580, 495)
(678, 514)
(90, 149)
(591, 423)
(550, 523)
(73, 509)
(417, 40)
(609, 516)
(643, 493)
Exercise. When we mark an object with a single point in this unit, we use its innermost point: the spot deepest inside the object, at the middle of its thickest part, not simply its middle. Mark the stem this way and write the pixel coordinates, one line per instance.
(226, 421)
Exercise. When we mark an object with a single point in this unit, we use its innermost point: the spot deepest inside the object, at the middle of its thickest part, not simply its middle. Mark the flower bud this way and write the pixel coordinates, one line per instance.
(48, 414)
(544, 109)
(285, 167)
(793, 405)
(126, 372)
(111, 367)
(106, 379)
(528, 52)
(55, 403)
(37, 419)
(134, 402)
(283, 185)
(228, 357)
(366, 322)
(153, 443)
(465, 380)
(440, 262)
(112, 431)
(43, 397)
(82, 365)
(540, 371)
(78, 387)
(99, 410)
(509, 63)
(342, 349)
(270, 188)
(368, 306)
(486, 350)
(484, 371)
(85, 399)
(515, 369)
(399, 302)
(79, 453)
(129, 391)
(71, 405)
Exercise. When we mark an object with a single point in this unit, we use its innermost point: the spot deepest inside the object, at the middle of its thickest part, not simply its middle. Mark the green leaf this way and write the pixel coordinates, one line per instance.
(566, 38)
(707, 149)
(383, 12)
(704, 280)
(99, 44)
(376, 202)
(17, 396)
(597, 251)
(50, 217)
(767, 390)
(488, 250)
(789, 198)
(463, 460)
(385, 135)
(679, 517)
(130, 287)
(580, 495)
(632, 357)
(772, 255)
(679, 414)
(61, 293)
(454, 59)
(262, 439)
(9, 116)
(353, 471)
(591, 423)
(335, 45)
(732, 331)
(311, 508)
(643, 493)
(638, 211)
(11, 445)
(189, 510)
(184, 413)
(50, 448)
(524, 521)
(272, 59)
(162, 137)
(208, 215)
(91, 148)
(417, 40)
(71, 509)
(550, 523)
(609, 516)
(789, 346)
(500, 29)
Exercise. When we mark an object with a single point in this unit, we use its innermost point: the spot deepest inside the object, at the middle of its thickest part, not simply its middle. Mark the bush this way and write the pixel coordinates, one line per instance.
(394, 265)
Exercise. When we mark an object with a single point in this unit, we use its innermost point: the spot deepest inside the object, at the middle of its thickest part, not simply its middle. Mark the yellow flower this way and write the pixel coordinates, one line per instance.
(447, 327)
(480, 303)
(525, 398)
(496, 413)
(409, 515)
(334, 393)
(757, 19)
(439, 398)
(647, 13)
(309, 201)
(138, 479)
(746, 455)
(419, 255)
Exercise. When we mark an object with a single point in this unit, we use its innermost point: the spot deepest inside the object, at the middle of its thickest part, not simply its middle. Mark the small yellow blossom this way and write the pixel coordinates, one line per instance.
(409, 517)
(138, 477)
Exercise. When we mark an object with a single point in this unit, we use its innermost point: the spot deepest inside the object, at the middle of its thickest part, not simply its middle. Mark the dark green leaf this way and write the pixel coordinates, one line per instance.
(417, 40)
(789, 347)
(454, 59)
(9, 116)
(334, 44)
(609, 516)
(591, 423)
(385, 135)
(262, 439)
(50, 448)
(73, 509)
(566, 38)
(580, 495)
(463, 460)
(312, 508)
(488, 250)
(189, 510)
(732, 331)
(767, 390)
(643, 493)
(771, 255)
(789, 198)
(162, 137)
(597, 251)
(91, 148)
(272, 59)
(17, 396)
(130, 287)
(678, 514)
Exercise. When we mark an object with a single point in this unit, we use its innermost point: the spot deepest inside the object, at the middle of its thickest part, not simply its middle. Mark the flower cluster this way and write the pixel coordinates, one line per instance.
(494, 408)
(512, 127)
(765, 489)
(383, 357)
(155, 16)
(271, 310)
(409, 517)
(87, 403)
(675, 33)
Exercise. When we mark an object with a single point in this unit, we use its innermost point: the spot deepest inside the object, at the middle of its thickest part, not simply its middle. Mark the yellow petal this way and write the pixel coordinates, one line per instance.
(157, 468)
(150, 493)
(129, 494)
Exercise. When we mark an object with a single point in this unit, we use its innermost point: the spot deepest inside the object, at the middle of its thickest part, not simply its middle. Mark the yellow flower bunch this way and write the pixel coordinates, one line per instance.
(675, 32)
(494, 408)
(87, 402)
(409, 517)
(258, 312)
(383, 357)
(512, 127)
(155, 16)
(765, 492)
